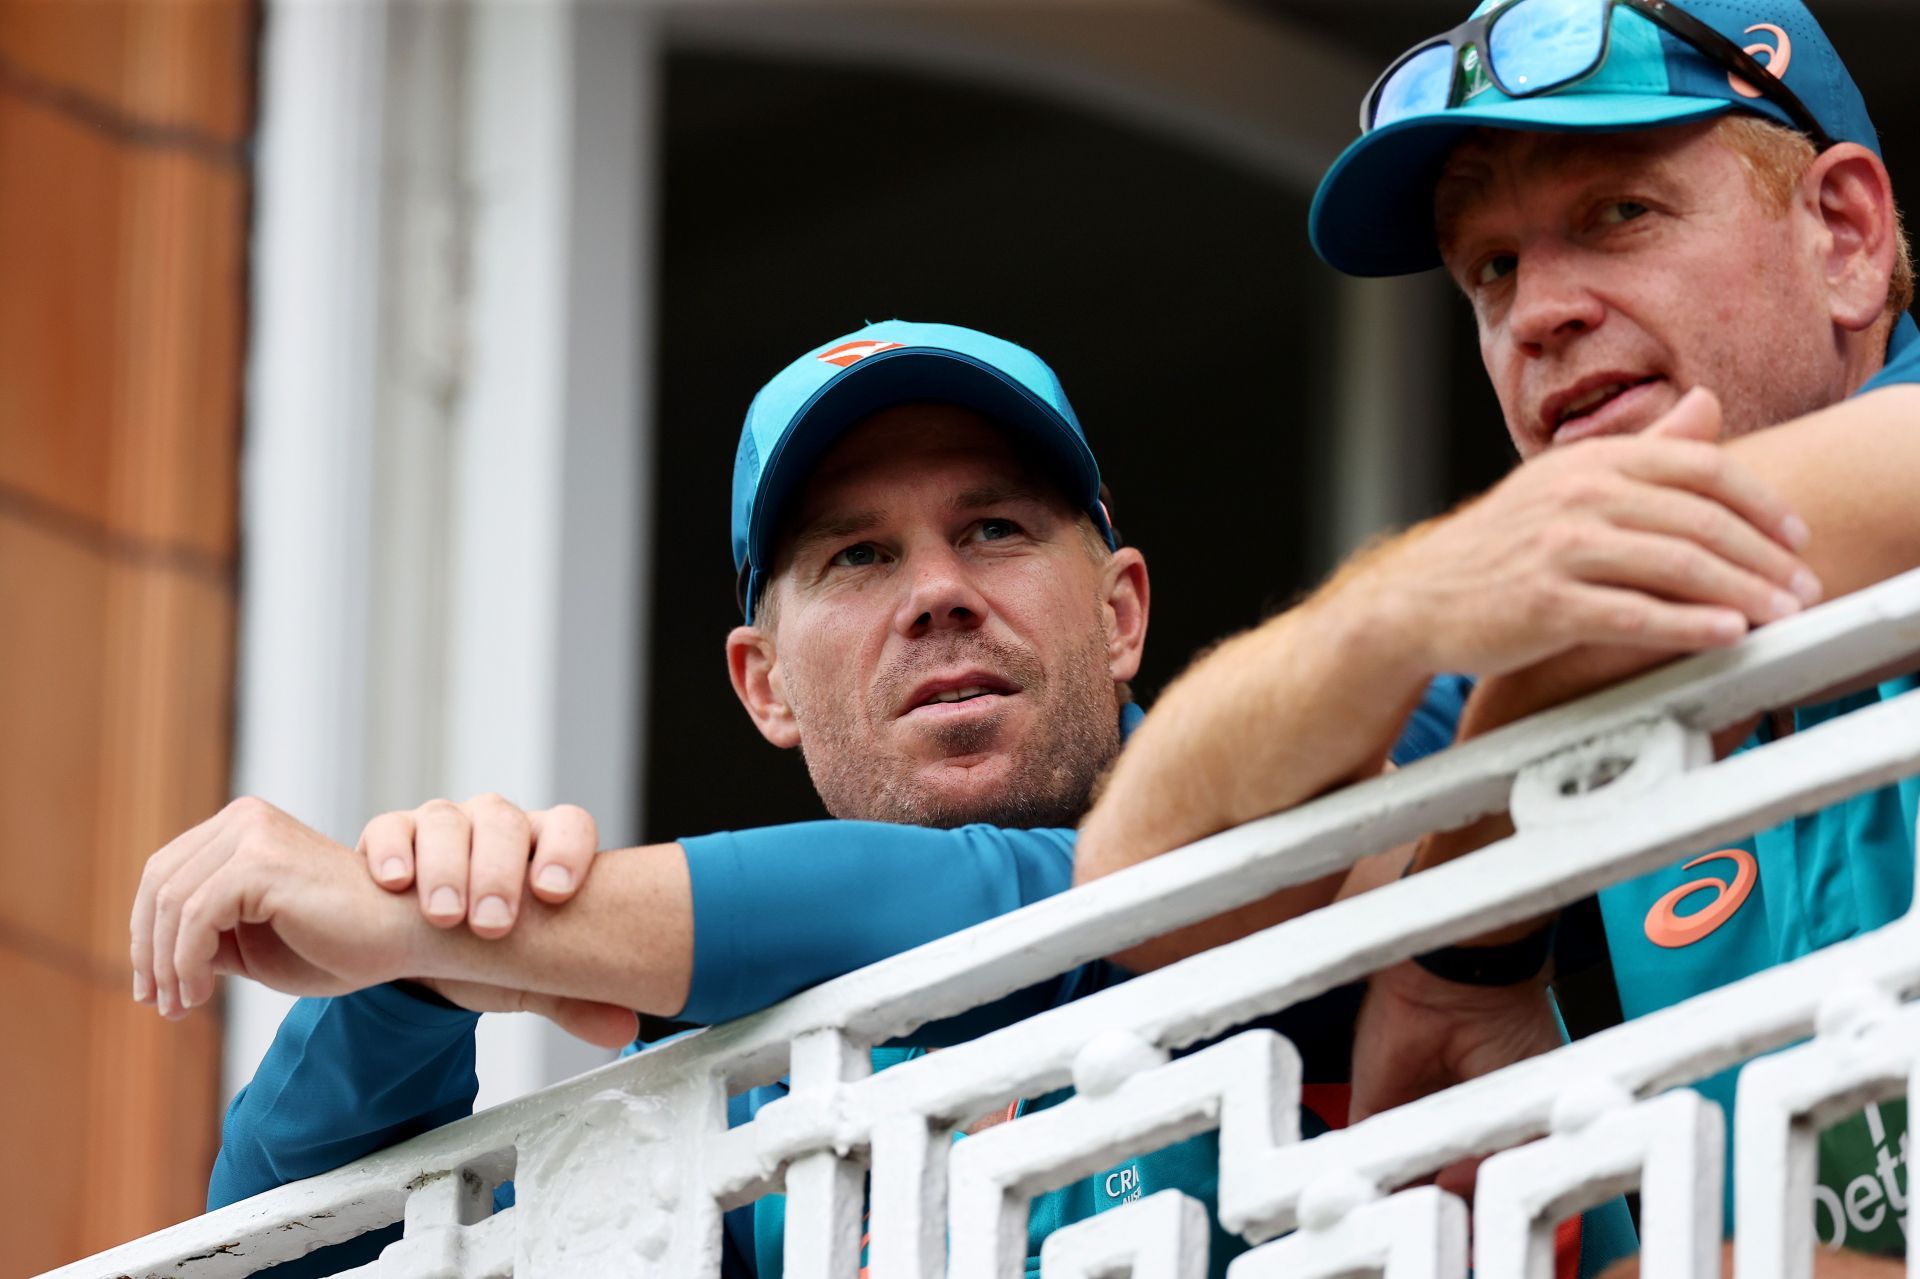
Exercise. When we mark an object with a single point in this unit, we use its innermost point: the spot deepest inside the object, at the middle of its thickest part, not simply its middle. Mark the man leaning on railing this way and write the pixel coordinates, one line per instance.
(1660, 237)
(940, 617)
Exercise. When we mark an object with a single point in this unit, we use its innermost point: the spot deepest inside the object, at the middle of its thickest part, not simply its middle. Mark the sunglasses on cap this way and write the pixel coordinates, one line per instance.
(1525, 48)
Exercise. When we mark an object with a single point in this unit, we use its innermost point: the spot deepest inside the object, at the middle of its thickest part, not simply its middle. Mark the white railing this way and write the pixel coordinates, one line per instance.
(626, 1170)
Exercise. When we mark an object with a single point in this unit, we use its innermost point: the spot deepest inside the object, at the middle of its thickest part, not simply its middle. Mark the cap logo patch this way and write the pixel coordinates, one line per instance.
(1777, 56)
(852, 352)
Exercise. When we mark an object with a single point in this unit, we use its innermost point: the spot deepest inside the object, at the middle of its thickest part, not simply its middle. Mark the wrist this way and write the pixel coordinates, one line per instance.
(1497, 959)
(1366, 621)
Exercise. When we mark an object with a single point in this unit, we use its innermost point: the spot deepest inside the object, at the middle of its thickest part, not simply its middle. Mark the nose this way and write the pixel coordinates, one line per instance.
(1552, 303)
(941, 595)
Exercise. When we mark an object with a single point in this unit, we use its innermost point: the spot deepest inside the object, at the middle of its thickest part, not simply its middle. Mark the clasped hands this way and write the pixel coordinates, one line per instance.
(255, 893)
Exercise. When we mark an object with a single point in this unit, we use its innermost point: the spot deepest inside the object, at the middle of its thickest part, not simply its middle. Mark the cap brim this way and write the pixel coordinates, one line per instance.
(1373, 213)
(910, 375)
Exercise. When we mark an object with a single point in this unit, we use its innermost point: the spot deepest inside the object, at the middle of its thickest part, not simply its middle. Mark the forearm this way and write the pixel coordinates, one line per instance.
(1303, 703)
(626, 938)
(1307, 702)
(1850, 472)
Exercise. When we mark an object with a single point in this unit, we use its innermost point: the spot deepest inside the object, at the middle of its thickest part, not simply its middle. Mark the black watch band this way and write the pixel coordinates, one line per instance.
(1507, 964)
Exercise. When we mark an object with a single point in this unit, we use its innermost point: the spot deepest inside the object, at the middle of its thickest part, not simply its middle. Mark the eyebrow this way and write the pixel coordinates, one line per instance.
(994, 495)
(833, 528)
(1462, 181)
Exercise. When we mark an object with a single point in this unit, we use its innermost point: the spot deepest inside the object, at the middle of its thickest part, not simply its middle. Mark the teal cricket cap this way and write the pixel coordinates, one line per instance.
(1373, 213)
(799, 415)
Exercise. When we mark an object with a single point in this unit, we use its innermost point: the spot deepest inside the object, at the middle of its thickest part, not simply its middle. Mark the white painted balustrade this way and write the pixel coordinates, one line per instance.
(627, 1170)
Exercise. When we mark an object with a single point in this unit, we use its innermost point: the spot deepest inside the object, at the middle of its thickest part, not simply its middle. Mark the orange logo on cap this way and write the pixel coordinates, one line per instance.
(1779, 54)
(1667, 927)
(850, 352)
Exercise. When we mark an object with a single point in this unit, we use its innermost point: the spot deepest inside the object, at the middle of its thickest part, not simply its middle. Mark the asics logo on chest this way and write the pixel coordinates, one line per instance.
(1665, 925)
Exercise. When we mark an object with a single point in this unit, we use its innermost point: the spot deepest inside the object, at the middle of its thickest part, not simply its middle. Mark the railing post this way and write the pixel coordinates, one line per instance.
(909, 1236)
(1163, 1236)
(826, 1191)
(1416, 1234)
(601, 1191)
(439, 1242)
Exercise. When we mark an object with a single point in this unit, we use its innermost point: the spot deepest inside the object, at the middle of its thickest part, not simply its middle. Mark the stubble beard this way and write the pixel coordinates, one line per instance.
(1052, 775)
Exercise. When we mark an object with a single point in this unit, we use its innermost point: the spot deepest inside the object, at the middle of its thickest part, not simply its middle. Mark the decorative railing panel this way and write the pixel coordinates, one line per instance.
(626, 1170)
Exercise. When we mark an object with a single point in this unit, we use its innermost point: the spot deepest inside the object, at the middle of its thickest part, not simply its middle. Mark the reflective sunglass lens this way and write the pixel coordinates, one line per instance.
(1422, 84)
(1538, 45)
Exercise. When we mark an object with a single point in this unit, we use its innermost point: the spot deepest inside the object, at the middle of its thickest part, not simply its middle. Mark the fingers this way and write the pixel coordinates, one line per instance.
(387, 844)
(1695, 417)
(210, 914)
(565, 838)
(442, 845)
(1706, 469)
(602, 1024)
(1681, 571)
(475, 861)
(169, 904)
(160, 867)
(502, 844)
(606, 1025)
(1614, 615)
(1716, 528)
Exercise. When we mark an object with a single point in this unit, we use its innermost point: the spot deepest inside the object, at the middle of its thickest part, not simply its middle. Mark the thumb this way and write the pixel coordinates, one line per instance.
(1695, 417)
(603, 1025)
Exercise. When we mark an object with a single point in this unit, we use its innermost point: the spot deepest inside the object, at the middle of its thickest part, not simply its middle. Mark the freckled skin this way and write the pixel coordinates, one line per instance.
(926, 589)
(1647, 253)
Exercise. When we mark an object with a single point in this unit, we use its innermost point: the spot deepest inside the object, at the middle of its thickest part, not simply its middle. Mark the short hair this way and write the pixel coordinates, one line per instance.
(1776, 158)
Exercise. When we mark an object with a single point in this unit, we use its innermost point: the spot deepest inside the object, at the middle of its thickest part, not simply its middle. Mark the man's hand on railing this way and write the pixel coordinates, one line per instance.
(1658, 544)
(473, 861)
(255, 893)
(1418, 1033)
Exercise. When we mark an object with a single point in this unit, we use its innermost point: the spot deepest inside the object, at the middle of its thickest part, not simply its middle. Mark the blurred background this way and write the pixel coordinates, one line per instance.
(370, 375)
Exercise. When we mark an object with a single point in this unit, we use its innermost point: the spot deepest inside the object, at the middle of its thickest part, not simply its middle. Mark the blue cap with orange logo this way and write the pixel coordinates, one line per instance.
(810, 404)
(1626, 65)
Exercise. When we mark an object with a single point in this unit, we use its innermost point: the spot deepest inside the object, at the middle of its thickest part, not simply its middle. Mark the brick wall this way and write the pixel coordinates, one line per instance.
(123, 228)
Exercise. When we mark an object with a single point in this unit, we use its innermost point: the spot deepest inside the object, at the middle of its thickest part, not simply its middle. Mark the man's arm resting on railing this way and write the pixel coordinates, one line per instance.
(254, 892)
(1656, 541)
(1851, 471)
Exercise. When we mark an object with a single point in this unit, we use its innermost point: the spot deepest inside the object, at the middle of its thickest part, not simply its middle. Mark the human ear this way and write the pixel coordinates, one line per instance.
(1847, 190)
(1125, 594)
(753, 665)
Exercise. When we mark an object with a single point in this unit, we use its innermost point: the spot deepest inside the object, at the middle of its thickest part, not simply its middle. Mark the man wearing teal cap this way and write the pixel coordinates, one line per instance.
(1659, 234)
(938, 614)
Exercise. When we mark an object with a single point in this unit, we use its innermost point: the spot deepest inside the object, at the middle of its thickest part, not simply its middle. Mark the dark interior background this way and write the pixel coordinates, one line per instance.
(1174, 294)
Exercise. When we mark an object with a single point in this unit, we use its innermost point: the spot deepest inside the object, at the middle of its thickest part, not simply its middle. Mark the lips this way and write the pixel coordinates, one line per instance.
(1581, 409)
(956, 690)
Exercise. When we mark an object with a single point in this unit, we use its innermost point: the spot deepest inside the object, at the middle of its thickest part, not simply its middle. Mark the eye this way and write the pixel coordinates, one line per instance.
(996, 530)
(859, 555)
(1614, 212)
(1495, 269)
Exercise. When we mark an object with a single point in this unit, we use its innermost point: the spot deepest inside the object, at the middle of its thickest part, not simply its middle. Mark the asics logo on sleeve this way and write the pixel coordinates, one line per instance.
(1667, 927)
(1778, 55)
